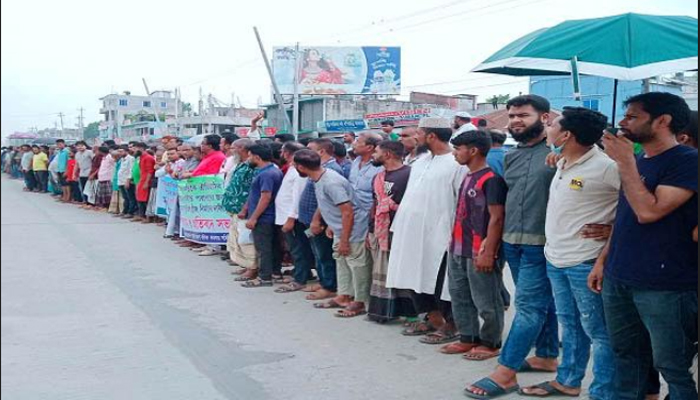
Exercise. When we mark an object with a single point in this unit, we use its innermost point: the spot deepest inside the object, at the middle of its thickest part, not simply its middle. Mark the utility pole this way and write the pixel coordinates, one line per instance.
(647, 86)
(278, 94)
(297, 71)
(81, 123)
(60, 115)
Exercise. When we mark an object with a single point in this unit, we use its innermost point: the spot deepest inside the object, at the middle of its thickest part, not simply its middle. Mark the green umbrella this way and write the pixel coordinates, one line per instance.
(626, 47)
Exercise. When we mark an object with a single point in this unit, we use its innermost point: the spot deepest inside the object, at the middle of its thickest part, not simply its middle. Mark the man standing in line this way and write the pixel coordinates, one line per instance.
(242, 255)
(476, 270)
(422, 231)
(104, 180)
(322, 245)
(62, 157)
(648, 273)
(585, 189)
(389, 188)
(335, 203)
(83, 159)
(147, 165)
(528, 179)
(27, 158)
(126, 188)
(388, 127)
(497, 155)
(462, 124)
(287, 218)
(260, 214)
(40, 166)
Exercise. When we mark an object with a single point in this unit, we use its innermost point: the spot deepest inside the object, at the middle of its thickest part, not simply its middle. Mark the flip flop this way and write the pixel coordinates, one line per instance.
(290, 288)
(475, 355)
(458, 348)
(349, 314)
(439, 338)
(257, 283)
(548, 388)
(526, 367)
(493, 390)
(415, 331)
(331, 305)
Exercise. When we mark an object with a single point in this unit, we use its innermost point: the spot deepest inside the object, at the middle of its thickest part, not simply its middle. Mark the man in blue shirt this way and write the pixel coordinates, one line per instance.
(62, 154)
(261, 215)
(497, 155)
(648, 273)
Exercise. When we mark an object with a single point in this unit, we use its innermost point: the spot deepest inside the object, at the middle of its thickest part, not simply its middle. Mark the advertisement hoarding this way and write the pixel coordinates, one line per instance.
(339, 70)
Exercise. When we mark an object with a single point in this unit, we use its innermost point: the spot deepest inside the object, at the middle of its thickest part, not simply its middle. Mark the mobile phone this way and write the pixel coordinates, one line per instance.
(613, 131)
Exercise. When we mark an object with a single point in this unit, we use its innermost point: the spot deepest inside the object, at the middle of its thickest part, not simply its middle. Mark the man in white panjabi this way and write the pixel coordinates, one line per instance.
(422, 230)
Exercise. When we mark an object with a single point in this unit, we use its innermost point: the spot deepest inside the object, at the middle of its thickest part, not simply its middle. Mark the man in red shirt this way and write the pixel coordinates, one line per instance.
(147, 165)
(213, 159)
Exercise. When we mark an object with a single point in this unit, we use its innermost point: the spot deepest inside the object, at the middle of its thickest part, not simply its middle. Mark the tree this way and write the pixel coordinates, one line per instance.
(498, 99)
(186, 108)
(92, 131)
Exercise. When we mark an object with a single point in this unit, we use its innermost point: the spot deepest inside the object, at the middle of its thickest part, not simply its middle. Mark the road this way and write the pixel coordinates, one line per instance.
(98, 308)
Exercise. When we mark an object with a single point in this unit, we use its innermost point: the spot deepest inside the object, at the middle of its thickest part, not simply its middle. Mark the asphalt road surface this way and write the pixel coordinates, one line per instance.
(97, 308)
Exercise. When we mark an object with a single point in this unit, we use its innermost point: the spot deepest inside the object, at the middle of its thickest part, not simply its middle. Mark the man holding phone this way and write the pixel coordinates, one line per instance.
(649, 270)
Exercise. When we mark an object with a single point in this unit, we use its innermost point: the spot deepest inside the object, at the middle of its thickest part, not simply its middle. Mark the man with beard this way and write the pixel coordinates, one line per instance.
(389, 188)
(413, 152)
(147, 168)
(462, 124)
(649, 270)
(528, 179)
(422, 230)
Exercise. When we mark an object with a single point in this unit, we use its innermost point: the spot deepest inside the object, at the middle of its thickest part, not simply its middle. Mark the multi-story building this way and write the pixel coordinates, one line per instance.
(127, 115)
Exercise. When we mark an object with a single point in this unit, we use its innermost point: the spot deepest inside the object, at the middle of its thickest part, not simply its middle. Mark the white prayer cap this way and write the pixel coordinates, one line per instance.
(435, 123)
(463, 115)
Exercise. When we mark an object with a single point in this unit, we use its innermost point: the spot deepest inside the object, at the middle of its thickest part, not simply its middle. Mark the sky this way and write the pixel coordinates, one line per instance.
(59, 56)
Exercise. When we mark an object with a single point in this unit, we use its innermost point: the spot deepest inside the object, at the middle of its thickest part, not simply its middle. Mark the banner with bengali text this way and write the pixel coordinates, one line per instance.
(166, 196)
(202, 216)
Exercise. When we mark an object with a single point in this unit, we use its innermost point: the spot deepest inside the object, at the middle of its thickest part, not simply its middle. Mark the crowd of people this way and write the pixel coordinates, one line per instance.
(598, 228)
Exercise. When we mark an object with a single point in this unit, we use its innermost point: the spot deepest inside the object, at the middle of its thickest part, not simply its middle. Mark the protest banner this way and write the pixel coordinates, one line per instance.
(202, 217)
(166, 196)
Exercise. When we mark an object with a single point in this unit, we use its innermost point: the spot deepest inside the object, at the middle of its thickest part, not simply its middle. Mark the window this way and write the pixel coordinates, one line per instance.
(592, 104)
(163, 104)
(123, 102)
(147, 104)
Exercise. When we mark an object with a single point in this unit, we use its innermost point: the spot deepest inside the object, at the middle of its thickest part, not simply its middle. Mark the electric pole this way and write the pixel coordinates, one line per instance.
(81, 124)
(60, 115)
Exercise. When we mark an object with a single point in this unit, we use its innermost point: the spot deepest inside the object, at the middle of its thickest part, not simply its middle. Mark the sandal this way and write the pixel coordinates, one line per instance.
(320, 297)
(493, 390)
(331, 305)
(458, 348)
(440, 337)
(549, 390)
(419, 329)
(484, 354)
(526, 367)
(257, 283)
(351, 312)
(290, 288)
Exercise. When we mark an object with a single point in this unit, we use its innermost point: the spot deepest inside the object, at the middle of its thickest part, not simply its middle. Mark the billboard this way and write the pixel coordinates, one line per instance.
(339, 70)
(400, 118)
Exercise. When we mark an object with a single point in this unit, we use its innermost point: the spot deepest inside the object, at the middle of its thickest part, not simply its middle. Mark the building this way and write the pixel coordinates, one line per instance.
(597, 92)
(129, 116)
(318, 114)
(217, 120)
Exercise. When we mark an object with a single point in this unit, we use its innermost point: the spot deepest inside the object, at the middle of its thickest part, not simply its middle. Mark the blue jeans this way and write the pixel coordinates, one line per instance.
(302, 254)
(535, 317)
(580, 312)
(648, 327)
(322, 247)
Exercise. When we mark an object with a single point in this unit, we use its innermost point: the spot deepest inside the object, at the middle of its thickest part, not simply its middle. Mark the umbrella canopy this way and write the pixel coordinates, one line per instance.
(626, 47)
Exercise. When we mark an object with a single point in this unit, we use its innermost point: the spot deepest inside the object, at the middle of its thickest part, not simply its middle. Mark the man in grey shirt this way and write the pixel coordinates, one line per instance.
(83, 161)
(337, 207)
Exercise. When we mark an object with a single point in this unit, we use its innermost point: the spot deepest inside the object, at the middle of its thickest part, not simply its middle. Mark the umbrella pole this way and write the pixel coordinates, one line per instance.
(615, 96)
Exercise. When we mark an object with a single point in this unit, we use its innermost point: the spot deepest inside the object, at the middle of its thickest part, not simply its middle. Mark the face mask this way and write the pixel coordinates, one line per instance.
(558, 150)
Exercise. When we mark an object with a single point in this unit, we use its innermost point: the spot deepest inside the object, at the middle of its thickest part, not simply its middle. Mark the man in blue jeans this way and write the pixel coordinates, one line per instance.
(585, 190)
(648, 273)
(528, 178)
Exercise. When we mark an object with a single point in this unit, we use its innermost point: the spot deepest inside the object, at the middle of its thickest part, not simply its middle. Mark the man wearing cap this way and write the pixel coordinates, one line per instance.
(423, 228)
(463, 123)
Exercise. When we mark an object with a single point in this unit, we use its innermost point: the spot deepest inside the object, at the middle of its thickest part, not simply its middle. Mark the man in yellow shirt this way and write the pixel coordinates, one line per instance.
(40, 166)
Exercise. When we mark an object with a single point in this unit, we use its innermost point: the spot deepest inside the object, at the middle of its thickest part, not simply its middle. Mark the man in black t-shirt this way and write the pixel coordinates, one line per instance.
(648, 273)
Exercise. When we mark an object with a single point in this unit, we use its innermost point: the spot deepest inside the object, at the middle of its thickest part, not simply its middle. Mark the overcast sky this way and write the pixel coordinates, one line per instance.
(58, 56)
